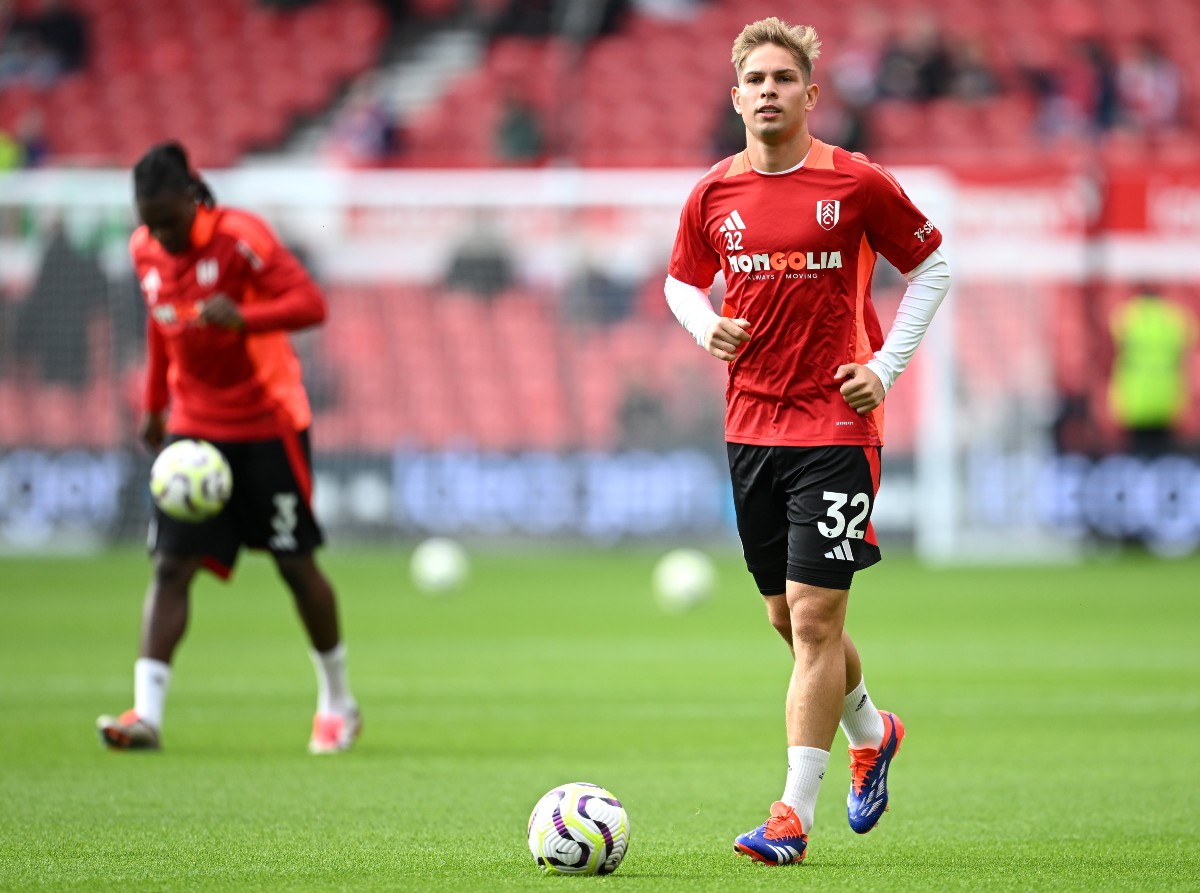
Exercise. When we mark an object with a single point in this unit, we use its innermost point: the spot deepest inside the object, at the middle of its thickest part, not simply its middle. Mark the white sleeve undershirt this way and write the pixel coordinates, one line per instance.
(928, 283)
(691, 306)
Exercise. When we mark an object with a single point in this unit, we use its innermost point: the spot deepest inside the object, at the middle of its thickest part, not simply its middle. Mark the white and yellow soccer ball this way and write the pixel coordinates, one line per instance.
(439, 565)
(578, 828)
(682, 579)
(191, 480)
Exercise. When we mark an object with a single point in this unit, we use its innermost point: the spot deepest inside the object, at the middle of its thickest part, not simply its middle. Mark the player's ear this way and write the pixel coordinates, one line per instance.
(811, 101)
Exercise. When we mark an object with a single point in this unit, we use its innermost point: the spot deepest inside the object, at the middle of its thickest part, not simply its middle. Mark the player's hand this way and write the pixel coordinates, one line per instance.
(154, 430)
(861, 388)
(725, 336)
(221, 310)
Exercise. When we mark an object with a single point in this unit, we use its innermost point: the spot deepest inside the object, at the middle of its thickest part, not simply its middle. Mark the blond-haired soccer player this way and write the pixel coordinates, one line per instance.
(795, 225)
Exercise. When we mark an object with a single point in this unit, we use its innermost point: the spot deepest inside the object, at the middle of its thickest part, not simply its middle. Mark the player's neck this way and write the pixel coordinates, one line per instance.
(775, 158)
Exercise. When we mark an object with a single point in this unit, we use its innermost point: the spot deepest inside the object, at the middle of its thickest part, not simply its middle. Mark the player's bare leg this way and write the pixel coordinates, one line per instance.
(315, 599)
(874, 735)
(165, 611)
(781, 618)
(337, 721)
(164, 621)
(818, 685)
(814, 617)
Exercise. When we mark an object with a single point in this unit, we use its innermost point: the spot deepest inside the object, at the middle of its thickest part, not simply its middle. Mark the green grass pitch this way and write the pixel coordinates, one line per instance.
(1053, 716)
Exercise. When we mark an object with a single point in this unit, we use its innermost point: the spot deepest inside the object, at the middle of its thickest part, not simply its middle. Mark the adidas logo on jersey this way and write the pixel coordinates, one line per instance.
(733, 223)
(841, 552)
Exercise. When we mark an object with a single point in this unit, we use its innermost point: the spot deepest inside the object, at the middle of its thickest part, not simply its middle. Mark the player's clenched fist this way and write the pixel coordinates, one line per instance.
(221, 310)
(861, 388)
(725, 336)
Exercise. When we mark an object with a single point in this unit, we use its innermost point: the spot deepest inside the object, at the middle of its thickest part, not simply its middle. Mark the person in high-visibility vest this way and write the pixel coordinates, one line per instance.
(1150, 388)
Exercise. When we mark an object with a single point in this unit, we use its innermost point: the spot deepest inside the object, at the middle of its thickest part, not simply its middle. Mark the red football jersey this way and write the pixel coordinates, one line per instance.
(223, 384)
(798, 251)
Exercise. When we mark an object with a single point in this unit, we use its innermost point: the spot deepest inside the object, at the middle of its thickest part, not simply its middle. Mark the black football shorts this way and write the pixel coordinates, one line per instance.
(804, 513)
(270, 507)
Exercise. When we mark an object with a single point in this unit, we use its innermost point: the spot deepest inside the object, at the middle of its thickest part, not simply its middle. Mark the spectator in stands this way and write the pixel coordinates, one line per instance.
(1149, 389)
(528, 18)
(1150, 88)
(63, 32)
(482, 261)
(729, 136)
(853, 81)
(1076, 92)
(38, 49)
(364, 132)
(30, 138)
(973, 77)
(580, 21)
(52, 322)
(916, 64)
(15, 44)
(855, 72)
(593, 295)
(518, 138)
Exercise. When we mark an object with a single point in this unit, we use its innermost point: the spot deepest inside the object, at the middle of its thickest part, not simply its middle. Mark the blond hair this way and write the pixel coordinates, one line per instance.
(799, 40)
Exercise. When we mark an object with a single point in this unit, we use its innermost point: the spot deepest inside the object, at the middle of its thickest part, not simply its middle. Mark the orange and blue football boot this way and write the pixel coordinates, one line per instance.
(868, 797)
(780, 840)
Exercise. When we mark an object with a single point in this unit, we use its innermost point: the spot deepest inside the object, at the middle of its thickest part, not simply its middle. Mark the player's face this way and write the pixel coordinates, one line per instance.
(771, 95)
(169, 219)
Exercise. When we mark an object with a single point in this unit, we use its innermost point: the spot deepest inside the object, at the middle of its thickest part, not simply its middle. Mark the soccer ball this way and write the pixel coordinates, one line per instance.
(682, 579)
(190, 480)
(578, 828)
(438, 565)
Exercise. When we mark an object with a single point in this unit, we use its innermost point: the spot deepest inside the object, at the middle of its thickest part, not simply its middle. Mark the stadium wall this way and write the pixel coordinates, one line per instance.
(551, 393)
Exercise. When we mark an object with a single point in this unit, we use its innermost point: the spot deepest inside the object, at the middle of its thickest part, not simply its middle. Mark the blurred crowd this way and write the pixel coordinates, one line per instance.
(1079, 85)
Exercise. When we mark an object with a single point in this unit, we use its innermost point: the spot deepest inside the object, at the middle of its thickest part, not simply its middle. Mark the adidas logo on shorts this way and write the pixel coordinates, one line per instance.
(841, 552)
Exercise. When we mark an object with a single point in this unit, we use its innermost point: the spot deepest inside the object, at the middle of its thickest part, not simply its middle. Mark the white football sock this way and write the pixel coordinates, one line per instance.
(150, 680)
(333, 686)
(860, 718)
(806, 768)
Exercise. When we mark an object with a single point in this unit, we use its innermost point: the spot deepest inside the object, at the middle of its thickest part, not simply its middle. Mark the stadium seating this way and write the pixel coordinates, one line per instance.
(223, 76)
(653, 93)
(229, 76)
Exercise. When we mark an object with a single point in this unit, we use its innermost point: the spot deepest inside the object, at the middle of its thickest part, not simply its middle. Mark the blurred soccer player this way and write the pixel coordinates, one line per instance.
(795, 225)
(222, 293)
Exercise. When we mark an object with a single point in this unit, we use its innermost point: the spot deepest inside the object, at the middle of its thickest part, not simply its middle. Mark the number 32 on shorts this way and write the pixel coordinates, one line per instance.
(840, 526)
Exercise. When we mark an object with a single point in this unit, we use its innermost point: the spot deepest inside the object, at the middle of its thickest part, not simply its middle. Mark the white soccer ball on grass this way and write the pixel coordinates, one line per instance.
(190, 480)
(438, 565)
(578, 828)
(682, 579)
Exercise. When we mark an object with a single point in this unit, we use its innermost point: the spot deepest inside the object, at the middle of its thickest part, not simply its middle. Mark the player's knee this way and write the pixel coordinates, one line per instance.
(300, 573)
(779, 616)
(816, 617)
(173, 573)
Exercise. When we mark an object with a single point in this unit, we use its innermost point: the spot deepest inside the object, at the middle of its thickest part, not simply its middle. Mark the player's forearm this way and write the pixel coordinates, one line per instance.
(295, 309)
(155, 396)
(691, 307)
(927, 286)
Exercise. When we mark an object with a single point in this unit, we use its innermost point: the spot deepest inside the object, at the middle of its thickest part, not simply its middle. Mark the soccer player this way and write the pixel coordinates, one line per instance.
(222, 293)
(795, 226)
